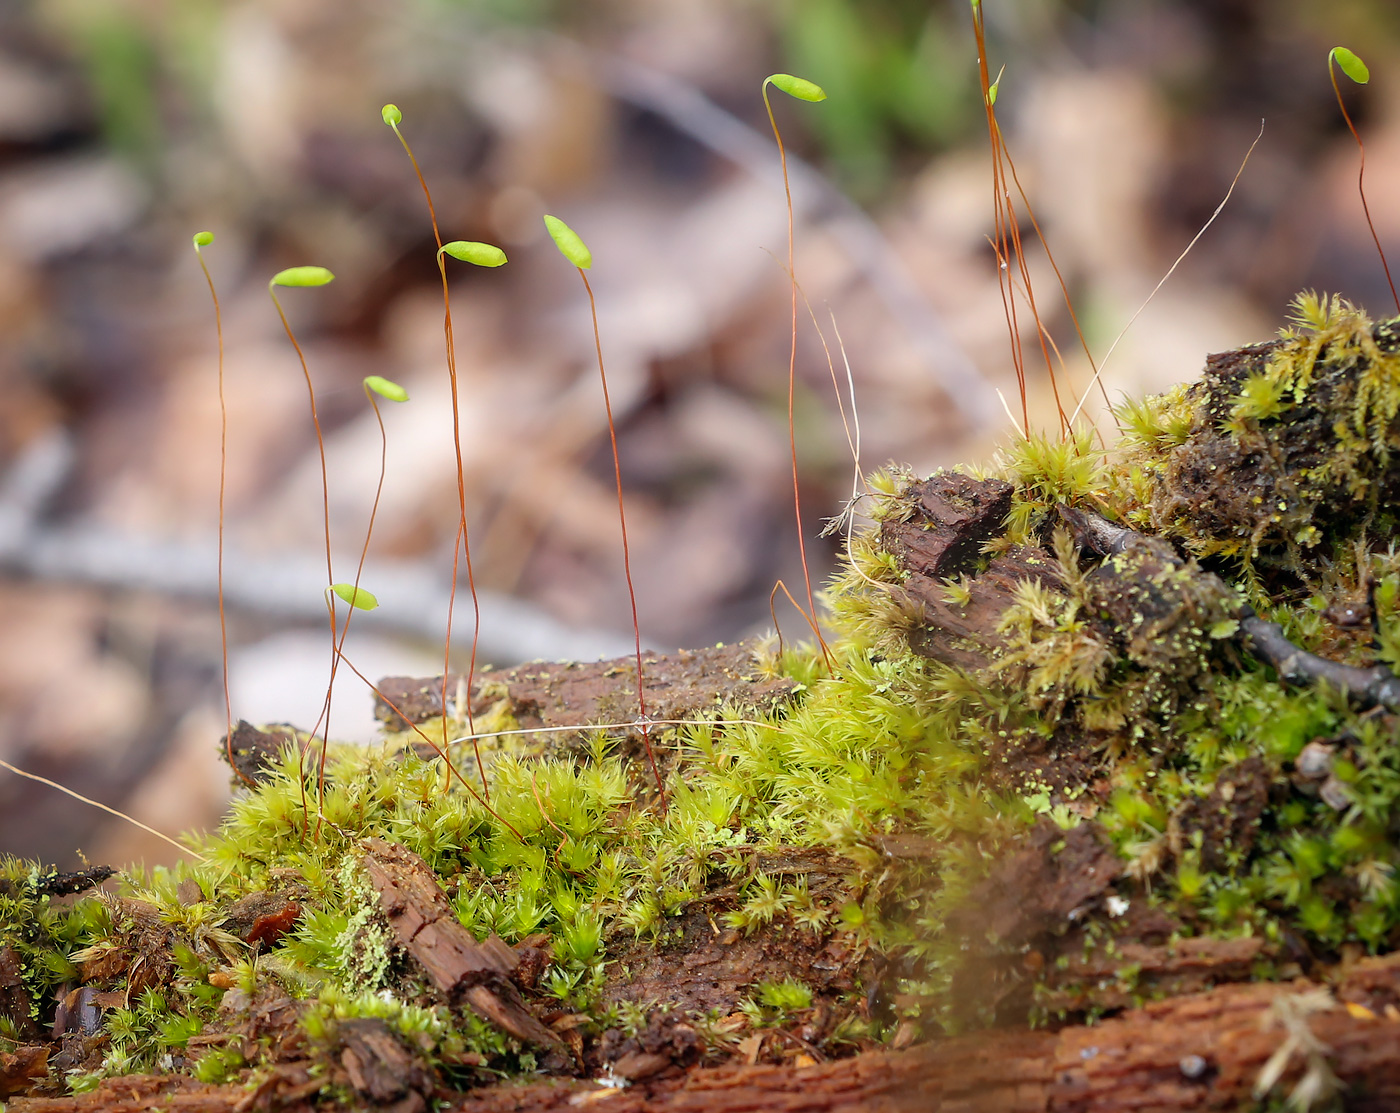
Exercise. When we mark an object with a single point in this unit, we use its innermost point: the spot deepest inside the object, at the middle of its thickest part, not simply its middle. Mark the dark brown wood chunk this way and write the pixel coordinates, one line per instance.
(251, 752)
(954, 515)
(966, 634)
(381, 1068)
(460, 968)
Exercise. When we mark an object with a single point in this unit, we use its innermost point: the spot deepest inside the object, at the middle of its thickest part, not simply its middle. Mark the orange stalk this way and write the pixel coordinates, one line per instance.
(811, 612)
(1007, 242)
(204, 239)
(626, 552)
(1354, 68)
(461, 547)
(330, 576)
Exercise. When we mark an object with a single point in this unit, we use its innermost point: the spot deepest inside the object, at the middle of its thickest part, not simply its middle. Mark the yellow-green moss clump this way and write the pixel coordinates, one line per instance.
(1120, 691)
(1279, 449)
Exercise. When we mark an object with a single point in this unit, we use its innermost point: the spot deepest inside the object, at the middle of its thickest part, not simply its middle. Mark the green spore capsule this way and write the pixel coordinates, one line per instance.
(798, 87)
(568, 243)
(1350, 64)
(385, 388)
(357, 597)
(391, 115)
(302, 276)
(202, 239)
(472, 251)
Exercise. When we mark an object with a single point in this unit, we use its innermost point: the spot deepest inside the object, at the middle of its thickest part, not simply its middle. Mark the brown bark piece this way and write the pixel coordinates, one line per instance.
(19, 1068)
(1096, 979)
(684, 685)
(459, 967)
(251, 751)
(966, 634)
(705, 968)
(380, 1068)
(1197, 1052)
(14, 998)
(1049, 882)
(954, 515)
(1228, 817)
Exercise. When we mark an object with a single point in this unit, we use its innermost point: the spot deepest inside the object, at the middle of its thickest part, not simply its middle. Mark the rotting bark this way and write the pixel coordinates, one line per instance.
(684, 685)
(1197, 1051)
(460, 968)
(1063, 921)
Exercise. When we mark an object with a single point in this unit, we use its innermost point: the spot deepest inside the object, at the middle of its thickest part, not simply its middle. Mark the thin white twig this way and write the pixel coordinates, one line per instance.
(1218, 209)
(103, 807)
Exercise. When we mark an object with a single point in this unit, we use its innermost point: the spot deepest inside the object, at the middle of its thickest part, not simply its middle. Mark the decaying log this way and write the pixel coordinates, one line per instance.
(952, 515)
(683, 685)
(381, 1069)
(688, 684)
(460, 968)
(1201, 1051)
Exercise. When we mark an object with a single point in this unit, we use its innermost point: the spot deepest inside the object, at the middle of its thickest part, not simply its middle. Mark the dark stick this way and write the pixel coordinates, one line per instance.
(1373, 687)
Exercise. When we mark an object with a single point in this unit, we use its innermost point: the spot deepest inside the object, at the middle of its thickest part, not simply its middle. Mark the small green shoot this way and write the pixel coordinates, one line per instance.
(481, 255)
(568, 242)
(299, 277)
(356, 597)
(473, 251)
(1339, 57)
(484, 255)
(576, 252)
(785, 996)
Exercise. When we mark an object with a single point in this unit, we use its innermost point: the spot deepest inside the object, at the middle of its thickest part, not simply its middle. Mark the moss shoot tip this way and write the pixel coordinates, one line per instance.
(568, 243)
(302, 276)
(798, 87)
(473, 251)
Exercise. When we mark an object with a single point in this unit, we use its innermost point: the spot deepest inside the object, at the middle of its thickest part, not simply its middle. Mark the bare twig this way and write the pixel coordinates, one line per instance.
(1373, 687)
(286, 586)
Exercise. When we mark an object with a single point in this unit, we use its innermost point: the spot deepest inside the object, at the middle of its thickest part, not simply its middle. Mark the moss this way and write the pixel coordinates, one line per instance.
(1117, 716)
(1281, 452)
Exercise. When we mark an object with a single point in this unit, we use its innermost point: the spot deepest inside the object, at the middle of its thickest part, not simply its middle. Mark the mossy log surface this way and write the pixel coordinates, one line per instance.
(1095, 805)
(1191, 1052)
